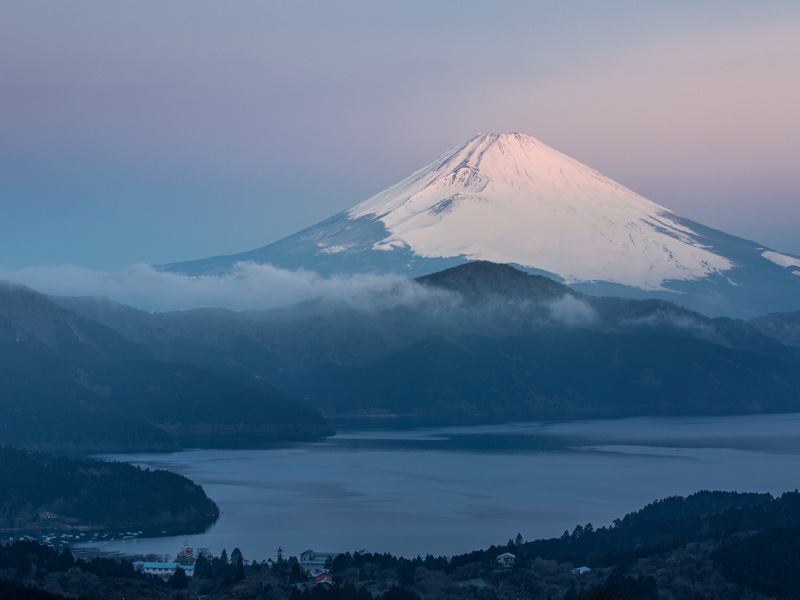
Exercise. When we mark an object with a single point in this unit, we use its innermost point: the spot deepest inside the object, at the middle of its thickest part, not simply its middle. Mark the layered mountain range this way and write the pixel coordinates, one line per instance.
(478, 342)
(508, 198)
(534, 288)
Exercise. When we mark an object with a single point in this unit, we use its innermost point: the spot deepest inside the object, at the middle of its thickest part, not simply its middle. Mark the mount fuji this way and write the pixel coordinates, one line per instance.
(508, 198)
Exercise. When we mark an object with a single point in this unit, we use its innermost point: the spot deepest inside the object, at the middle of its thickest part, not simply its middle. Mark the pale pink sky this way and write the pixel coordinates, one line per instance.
(155, 132)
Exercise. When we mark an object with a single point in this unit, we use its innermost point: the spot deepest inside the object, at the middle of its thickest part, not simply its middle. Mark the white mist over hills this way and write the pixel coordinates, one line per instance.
(508, 198)
(248, 286)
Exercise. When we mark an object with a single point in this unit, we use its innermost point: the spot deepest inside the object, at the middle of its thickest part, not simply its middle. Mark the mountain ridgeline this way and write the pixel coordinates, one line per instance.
(475, 343)
(509, 198)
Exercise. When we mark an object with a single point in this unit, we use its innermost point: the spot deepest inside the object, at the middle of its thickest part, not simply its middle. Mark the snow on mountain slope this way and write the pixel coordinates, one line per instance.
(781, 259)
(508, 198)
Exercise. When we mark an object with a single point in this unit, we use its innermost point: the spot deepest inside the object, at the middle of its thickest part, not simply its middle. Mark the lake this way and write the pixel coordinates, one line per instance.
(446, 491)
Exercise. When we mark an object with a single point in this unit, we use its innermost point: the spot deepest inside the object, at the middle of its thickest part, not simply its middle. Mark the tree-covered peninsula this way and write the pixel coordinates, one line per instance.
(38, 491)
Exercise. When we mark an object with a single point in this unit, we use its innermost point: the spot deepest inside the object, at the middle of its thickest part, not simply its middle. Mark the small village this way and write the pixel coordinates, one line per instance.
(59, 540)
(316, 570)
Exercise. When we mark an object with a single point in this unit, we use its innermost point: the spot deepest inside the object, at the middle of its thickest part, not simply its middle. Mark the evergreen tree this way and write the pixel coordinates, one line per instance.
(178, 581)
(65, 560)
(201, 567)
(239, 575)
(236, 555)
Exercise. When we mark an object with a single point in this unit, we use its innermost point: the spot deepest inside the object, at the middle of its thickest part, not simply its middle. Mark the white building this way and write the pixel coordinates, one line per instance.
(506, 560)
(165, 569)
(581, 570)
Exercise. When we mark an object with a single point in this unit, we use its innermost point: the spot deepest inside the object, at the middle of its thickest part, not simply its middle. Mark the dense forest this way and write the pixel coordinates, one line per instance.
(41, 491)
(708, 545)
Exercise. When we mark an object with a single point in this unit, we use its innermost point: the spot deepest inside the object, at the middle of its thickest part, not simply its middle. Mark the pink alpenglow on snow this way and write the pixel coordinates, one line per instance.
(509, 198)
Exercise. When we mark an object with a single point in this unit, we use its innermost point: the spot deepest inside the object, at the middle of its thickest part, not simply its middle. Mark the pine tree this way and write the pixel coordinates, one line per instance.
(178, 581)
(201, 566)
(239, 576)
(235, 555)
(65, 560)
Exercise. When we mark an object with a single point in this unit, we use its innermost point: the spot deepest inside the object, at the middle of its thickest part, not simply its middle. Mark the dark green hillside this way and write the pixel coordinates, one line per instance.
(483, 282)
(71, 385)
(557, 373)
(46, 406)
(189, 401)
(41, 491)
(765, 562)
(660, 526)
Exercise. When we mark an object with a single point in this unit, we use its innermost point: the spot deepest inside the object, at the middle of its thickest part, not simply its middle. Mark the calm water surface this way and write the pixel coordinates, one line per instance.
(451, 490)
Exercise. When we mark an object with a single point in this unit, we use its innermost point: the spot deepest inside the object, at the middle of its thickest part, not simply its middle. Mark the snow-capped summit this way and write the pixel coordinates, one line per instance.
(509, 198)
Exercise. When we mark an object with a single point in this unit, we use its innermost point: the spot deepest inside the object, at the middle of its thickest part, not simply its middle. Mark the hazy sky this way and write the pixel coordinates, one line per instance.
(161, 131)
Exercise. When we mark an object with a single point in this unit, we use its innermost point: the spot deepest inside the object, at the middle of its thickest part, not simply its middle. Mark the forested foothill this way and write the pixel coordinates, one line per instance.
(708, 545)
(42, 492)
(71, 385)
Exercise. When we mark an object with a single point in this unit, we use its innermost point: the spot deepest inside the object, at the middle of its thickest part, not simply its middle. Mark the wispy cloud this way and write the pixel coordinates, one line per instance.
(660, 319)
(248, 286)
(572, 311)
